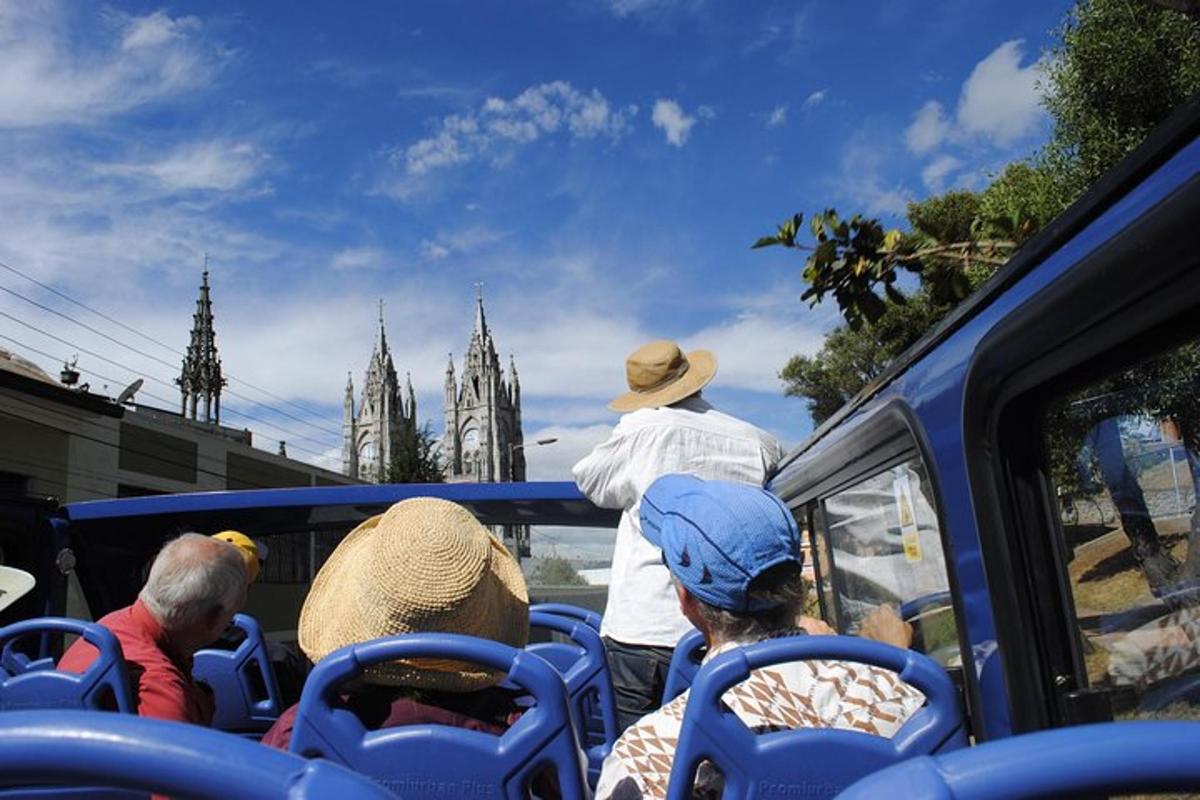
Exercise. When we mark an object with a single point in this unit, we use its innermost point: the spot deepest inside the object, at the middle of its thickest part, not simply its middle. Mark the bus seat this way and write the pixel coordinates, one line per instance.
(1111, 758)
(243, 682)
(685, 662)
(589, 685)
(84, 749)
(437, 760)
(809, 762)
(571, 612)
(104, 686)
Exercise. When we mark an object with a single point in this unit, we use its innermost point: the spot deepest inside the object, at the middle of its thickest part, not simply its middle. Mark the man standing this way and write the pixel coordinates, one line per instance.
(196, 585)
(667, 427)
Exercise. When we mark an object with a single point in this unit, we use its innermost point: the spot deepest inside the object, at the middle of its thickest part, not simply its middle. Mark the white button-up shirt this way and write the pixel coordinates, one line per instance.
(688, 437)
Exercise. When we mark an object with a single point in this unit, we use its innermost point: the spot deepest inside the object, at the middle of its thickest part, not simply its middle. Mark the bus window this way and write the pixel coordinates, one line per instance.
(1123, 460)
(884, 547)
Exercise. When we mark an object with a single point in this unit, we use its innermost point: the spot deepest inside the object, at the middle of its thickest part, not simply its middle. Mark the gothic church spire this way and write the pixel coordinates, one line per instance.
(201, 374)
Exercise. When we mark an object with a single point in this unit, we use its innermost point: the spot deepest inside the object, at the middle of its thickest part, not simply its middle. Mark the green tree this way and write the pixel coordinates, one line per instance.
(416, 458)
(556, 571)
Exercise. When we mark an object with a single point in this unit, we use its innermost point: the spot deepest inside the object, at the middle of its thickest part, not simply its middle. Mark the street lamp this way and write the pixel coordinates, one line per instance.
(512, 448)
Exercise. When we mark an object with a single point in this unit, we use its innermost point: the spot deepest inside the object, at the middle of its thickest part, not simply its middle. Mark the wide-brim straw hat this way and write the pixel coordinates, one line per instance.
(423, 565)
(659, 374)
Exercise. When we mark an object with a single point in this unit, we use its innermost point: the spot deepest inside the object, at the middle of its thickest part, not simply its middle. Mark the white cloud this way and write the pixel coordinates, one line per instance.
(861, 179)
(469, 239)
(778, 117)
(675, 124)
(937, 171)
(928, 129)
(433, 250)
(217, 165)
(752, 348)
(553, 462)
(999, 103)
(48, 76)
(626, 8)
(544, 110)
(156, 29)
(356, 258)
(1000, 100)
(816, 98)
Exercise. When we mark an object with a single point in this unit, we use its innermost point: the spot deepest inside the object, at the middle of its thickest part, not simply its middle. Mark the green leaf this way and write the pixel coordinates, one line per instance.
(766, 241)
(817, 224)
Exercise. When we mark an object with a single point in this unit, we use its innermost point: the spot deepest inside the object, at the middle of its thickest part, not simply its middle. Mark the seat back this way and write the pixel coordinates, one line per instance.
(84, 749)
(1111, 758)
(244, 687)
(589, 684)
(28, 685)
(685, 662)
(437, 760)
(808, 762)
(571, 612)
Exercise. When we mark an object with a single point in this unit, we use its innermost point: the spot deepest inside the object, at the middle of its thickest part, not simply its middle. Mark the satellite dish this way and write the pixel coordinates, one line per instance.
(127, 394)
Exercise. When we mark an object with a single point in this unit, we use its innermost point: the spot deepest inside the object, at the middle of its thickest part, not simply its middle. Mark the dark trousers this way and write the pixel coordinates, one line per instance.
(639, 675)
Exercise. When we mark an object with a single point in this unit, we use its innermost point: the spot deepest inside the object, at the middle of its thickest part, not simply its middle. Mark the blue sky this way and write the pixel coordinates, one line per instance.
(602, 166)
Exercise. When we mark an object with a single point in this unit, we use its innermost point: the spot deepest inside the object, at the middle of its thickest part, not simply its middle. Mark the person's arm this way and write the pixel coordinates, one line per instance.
(884, 625)
(604, 475)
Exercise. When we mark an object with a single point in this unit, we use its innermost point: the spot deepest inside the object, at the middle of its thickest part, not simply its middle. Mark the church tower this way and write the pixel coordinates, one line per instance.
(483, 440)
(373, 434)
(201, 377)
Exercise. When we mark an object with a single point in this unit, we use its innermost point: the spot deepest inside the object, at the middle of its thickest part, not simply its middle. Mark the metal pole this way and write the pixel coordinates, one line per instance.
(1175, 480)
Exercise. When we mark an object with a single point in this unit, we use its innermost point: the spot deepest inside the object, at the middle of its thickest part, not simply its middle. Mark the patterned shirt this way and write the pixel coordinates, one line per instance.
(816, 694)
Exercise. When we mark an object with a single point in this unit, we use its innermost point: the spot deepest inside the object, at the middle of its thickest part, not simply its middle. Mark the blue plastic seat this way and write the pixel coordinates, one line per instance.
(571, 612)
(685, 662)
(807, 762)
(437, 760)
(1115, 758)
(243, 682)
(85, 749)
(28, 684)
(589, 686)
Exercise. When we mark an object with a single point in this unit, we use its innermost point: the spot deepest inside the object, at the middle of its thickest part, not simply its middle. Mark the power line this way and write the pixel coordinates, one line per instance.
(164, 383)
(155, 358)
(145, 336)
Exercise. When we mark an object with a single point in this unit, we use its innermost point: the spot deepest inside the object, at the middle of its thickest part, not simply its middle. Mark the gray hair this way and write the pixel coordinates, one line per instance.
(191, 576)
(781, 586)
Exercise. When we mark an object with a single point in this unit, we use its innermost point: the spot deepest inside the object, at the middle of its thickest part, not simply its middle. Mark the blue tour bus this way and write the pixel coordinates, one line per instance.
(1022, 483)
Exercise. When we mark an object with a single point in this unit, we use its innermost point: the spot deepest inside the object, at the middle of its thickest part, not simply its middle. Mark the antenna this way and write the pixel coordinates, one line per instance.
(127, 394)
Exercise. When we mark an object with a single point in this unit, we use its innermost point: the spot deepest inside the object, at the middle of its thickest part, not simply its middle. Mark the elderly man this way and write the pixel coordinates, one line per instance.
(667, 427)
(734, 554)
(196, 585)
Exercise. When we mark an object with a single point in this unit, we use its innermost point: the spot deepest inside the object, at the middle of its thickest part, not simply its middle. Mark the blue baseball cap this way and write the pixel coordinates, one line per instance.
(717, 536)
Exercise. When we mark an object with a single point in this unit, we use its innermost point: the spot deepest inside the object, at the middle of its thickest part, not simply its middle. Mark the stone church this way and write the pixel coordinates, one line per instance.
(371, 435)
(482, 441)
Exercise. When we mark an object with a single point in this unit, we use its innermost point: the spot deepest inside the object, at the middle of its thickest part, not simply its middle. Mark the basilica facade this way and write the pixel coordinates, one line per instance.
(482, 441)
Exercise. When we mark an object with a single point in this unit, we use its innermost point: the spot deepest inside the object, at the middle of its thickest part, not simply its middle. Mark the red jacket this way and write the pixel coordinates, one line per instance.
(161, 678)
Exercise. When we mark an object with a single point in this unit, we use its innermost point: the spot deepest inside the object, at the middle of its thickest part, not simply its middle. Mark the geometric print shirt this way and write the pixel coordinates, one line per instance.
(801, 694)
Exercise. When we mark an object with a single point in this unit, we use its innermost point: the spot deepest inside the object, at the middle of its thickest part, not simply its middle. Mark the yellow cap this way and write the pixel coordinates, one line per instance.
(246, 547)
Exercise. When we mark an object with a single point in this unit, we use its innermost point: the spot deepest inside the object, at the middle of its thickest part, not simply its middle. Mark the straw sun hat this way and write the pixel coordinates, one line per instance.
(423, 565)
(659, 374)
